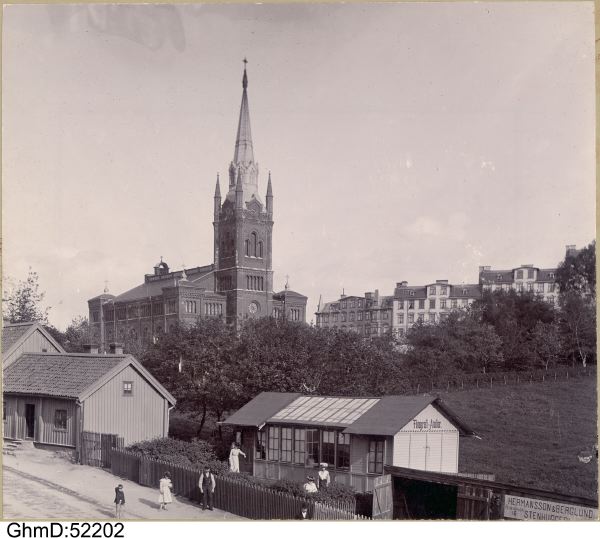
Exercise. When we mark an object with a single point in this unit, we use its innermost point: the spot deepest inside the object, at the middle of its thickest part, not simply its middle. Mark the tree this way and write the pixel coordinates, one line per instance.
(460, 343)
(577, 272)
(76, 335)
(24, 301)
(578, 326)
(546, 344)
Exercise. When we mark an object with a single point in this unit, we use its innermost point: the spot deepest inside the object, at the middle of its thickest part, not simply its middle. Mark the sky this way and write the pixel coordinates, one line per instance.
(409, 141)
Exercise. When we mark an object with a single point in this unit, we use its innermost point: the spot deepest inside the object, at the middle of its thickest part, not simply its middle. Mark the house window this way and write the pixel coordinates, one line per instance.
(95, 316)
(273, 443)
(299, 445)
(400, 332)
(519, 274)
(444, 290)
(432, 317)
(529, 286)
(312, 447)
(540, 287)
(359, 316)
(351, 316)
(384, 314)
(443, 303)
(127, 388)
(431, 304)
(121, 313)
(343, 451)
(374, 314)
(420, 317)
(401, 319)
(375, 457)
(421, 304)
(328, 447)
(519, 287)
(158, 309)
(411, 305)
(60, 419)
(286, 444)
(454, 303)
(261, 445)
(411, 293)
(411, 318)
(145, 310)
(551, 287)
(432, 290)
(529, 273)
(343, 317)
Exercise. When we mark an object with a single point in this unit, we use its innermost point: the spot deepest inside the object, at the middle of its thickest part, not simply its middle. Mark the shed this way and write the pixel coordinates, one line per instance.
(287, 435)
(51, 398)
(28, 337)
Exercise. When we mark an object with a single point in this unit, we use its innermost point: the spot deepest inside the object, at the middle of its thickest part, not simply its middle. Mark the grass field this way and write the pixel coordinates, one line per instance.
(532, 434)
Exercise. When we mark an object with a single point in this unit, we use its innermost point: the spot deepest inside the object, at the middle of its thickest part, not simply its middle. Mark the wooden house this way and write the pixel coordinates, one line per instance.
(29, 337)
(287, 435)
(51, 398)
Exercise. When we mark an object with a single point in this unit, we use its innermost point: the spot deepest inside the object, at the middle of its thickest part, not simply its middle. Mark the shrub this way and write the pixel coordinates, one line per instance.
(334, 492)
(195, 454)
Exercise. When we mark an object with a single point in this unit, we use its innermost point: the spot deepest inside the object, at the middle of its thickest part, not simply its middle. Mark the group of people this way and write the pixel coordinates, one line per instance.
(323, 480)
(207, 485)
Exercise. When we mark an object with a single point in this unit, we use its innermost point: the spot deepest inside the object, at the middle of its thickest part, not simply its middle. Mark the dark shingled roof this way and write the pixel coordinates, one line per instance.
(258, 410)
(64, 375)
(12, 332)
(392, 413)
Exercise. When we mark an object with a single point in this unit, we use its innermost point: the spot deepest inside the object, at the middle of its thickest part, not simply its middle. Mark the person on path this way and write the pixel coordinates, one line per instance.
(119, 501)
(234, 458)
(310, 486)
(324, 477)
(207, 488)
(165, 487)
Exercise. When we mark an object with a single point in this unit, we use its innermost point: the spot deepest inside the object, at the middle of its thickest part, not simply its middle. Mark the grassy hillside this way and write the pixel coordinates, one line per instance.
(532, 434)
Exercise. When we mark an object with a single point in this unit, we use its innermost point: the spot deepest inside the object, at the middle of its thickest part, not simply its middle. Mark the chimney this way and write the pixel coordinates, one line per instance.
(116, 349)
(91, 348)
(402, 284)
(376, 298)
(441, 282)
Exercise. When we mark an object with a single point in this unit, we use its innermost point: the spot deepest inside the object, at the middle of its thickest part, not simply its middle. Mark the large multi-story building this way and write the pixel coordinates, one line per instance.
(238, 285)
(376, 315)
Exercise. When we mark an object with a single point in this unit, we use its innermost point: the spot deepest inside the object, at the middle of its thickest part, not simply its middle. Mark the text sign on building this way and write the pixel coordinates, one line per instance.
(537, 509)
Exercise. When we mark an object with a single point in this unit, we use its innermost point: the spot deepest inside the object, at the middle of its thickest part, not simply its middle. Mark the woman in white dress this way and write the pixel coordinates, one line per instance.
(234, 458)
(165, 487)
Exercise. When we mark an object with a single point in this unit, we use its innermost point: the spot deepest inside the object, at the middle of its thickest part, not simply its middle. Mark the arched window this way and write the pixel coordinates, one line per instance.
(253, 243)
(260, 249)
(247, 247)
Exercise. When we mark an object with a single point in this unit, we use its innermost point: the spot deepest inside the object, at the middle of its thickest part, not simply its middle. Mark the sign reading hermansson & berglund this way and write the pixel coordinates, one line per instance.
(540, 510)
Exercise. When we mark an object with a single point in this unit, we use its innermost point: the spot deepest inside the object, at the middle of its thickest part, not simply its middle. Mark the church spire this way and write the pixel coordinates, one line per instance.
(243, 143)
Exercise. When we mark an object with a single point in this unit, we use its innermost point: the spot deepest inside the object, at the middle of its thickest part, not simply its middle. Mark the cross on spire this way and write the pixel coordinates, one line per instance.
(106, 286)
(287, 282)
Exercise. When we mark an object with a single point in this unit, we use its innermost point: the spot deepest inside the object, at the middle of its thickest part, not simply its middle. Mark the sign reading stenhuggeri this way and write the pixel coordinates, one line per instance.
(527, 509)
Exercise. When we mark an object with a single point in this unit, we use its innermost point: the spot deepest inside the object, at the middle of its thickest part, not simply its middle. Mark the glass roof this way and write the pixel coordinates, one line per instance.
(325, 410)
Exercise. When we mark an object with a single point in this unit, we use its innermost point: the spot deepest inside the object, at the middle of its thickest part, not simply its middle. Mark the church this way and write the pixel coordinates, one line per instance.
(237, 286)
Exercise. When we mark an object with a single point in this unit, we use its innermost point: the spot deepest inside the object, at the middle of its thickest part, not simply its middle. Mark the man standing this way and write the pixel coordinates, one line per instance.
(207, 488)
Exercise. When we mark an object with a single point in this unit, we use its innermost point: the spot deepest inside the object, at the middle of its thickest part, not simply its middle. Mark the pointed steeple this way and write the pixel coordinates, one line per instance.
(269, 196)
(218, 188)
(243, 142)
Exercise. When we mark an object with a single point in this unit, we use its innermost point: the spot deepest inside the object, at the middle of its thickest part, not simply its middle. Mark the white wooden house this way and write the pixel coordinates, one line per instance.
(28, 337)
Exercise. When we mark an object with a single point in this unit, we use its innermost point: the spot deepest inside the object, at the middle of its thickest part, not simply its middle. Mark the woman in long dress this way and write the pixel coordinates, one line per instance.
(165, 487)
(234, 458)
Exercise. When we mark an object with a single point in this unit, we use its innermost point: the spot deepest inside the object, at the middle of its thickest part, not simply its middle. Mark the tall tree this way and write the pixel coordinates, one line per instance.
(24, 301)
(577, 272)
(578, 326)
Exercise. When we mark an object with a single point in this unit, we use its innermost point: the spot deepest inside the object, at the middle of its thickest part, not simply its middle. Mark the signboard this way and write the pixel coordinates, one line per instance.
(541, 510)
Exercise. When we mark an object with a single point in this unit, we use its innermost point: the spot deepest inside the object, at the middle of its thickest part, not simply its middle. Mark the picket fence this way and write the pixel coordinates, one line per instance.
(237, 496)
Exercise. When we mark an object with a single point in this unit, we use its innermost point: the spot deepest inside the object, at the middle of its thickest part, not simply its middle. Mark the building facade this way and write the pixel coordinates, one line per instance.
(27, 337)
(238, 285)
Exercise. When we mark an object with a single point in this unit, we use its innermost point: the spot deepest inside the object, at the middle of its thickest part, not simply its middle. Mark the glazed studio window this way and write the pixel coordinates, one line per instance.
(375, 456)
(299, 445)
(343, 451)
(328, 447)
(286, 444)
(273, 443)
(127, 388)
(312, 447)
(60, 419)
(261, 445)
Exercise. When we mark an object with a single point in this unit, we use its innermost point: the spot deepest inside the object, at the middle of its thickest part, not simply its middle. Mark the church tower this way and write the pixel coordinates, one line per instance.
(243, 227)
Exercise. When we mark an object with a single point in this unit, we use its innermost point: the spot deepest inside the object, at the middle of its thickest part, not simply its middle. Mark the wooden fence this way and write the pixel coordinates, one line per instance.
(237, 496)
(95, 448)
(483, 381)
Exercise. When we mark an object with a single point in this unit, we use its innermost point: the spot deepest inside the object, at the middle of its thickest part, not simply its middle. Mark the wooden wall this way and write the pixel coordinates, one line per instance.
(45, 430)
(141, 416)
(36, 342)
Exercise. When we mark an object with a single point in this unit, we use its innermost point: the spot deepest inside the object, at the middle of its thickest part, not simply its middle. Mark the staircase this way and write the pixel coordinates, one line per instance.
(10, 447)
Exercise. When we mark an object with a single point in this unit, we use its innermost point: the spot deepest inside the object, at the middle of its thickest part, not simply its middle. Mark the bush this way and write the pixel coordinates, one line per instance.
(196, 454)
(334, 492)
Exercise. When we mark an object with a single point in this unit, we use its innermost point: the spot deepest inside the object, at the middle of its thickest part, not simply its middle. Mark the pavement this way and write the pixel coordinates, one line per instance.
(42, 484)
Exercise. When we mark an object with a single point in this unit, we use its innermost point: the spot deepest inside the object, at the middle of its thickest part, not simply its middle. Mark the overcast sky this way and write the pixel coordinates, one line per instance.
(406, 141)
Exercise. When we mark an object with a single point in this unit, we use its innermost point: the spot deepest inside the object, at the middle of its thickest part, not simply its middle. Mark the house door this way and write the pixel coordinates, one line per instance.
(29, 421)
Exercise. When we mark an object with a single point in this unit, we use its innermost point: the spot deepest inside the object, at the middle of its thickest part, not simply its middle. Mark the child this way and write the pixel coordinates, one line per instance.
(119, 501)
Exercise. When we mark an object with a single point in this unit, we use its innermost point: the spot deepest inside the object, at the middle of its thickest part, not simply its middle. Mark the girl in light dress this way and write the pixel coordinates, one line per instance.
(234, 458)
(165, 487)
